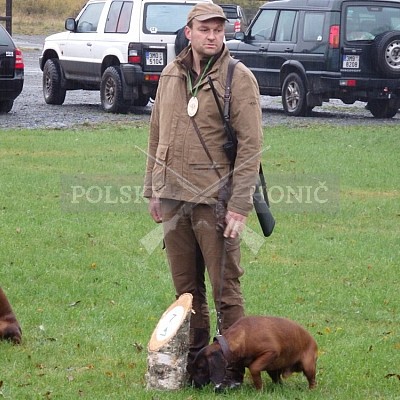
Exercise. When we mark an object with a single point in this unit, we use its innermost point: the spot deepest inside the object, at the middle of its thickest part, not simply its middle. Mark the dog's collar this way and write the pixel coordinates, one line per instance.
(224, 347)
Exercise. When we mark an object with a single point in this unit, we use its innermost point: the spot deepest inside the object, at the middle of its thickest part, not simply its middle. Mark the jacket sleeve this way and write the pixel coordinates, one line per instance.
(246, 119)
(152, 149)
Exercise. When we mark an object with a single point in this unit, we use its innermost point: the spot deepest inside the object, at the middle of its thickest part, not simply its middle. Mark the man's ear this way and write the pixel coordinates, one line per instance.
(217, 366)
(188, 33)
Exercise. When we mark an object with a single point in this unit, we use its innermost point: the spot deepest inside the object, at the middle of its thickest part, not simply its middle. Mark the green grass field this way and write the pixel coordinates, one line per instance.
(89, 280)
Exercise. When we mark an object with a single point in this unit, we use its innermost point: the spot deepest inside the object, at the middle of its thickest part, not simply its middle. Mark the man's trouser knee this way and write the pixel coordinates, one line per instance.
(187, 228)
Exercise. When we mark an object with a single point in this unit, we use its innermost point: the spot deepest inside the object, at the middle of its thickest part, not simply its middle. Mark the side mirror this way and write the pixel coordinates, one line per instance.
(70, 24)
(239, 36)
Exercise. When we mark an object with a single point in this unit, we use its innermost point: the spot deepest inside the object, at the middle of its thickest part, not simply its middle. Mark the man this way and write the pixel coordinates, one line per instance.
(186, 165)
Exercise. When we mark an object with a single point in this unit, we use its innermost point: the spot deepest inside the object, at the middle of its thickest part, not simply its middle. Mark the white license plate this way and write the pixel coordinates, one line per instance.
(351, 62)
(154, 58)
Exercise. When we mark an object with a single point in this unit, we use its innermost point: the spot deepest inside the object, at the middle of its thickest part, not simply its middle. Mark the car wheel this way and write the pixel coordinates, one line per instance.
(111, 95)
(52, 91)
(142, 100)
(386, 49)
(294, 96)
(6, 106)
(381, 109)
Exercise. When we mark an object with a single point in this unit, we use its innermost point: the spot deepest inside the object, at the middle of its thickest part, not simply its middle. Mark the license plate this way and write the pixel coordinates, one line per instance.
(154, 58)
(351, 62)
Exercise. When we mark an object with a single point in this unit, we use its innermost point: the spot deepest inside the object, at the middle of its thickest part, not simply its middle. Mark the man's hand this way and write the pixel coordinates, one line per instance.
(155, 209)
(235, 224)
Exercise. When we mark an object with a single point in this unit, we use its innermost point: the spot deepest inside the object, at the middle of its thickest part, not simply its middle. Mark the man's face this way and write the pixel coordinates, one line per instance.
(206, 37)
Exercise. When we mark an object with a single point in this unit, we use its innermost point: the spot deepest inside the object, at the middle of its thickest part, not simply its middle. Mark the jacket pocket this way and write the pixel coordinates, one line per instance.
(198, 159)
(160, 168)
(202, 172)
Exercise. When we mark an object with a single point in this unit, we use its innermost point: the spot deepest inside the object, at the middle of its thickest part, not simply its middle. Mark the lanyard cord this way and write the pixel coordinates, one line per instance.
(194, 89)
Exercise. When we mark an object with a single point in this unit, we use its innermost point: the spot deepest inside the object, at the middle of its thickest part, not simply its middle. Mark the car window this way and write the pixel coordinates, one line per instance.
(89, 19)
(365, 22)
(165, 18)
(230, 12)
(285, 27)
(262, 27)
(119, 17)
(5, 39)
(313, 26)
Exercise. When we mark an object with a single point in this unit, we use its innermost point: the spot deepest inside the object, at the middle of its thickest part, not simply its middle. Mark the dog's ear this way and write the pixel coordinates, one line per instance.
(198, 370)
(217, 367)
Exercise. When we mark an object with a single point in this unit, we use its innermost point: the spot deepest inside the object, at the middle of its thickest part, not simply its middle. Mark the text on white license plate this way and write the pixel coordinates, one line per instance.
(351, 61)
(154, 58)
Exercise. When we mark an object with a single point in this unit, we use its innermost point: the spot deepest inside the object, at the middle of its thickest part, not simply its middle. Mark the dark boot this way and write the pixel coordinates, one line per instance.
(199, 338)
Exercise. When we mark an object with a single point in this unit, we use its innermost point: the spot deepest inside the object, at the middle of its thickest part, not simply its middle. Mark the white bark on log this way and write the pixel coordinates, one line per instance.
(169, 346)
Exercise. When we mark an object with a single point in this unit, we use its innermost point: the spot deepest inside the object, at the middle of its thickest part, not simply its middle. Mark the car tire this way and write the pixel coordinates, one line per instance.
(380, 109)
(111, 92)
(386, 49)
(142, 100)
(294, 99)
(6, 106)
(53, 93)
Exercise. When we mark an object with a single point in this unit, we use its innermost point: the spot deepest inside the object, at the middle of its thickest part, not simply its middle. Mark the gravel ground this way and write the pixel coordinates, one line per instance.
(83, 107)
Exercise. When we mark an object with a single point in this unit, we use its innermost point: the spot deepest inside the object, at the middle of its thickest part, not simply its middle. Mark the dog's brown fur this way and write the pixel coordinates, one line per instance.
(276, 345)
(9, 326)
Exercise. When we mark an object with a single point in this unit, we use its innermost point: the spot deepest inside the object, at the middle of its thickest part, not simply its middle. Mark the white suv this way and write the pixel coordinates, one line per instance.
(118, 47)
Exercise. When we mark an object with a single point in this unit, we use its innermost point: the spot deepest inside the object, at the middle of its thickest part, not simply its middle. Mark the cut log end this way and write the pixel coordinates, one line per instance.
(169, 346)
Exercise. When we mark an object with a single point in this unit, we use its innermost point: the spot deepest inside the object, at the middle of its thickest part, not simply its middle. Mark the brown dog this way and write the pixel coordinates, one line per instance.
(276, 345)
(9, 326)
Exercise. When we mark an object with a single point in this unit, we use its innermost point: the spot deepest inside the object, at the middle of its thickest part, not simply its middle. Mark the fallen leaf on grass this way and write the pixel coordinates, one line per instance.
(392, 375)
(86, 368)
(138, 347)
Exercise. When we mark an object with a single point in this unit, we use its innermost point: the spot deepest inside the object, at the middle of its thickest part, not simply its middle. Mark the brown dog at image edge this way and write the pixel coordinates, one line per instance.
(276, 345)
(9, 326)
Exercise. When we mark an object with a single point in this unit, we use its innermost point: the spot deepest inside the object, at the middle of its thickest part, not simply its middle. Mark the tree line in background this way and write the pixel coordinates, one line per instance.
(44, 17)
(72, 7)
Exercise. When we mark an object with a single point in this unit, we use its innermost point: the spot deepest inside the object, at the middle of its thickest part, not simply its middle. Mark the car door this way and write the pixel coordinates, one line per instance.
(78, 50)
(253, 50)
(281, 47)
(108, 40)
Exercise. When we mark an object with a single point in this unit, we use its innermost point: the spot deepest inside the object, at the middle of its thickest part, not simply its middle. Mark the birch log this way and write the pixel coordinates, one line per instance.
(169, 346)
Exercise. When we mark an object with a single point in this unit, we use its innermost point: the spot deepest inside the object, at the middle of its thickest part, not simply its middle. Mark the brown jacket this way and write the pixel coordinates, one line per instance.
(178, 166)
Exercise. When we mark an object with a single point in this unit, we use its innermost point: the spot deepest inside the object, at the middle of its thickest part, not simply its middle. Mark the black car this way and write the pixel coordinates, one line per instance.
(309, 51)
(11, 71)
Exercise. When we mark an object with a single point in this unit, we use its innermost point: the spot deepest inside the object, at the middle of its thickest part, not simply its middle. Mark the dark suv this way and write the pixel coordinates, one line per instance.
(309, 51)
(11, 71)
